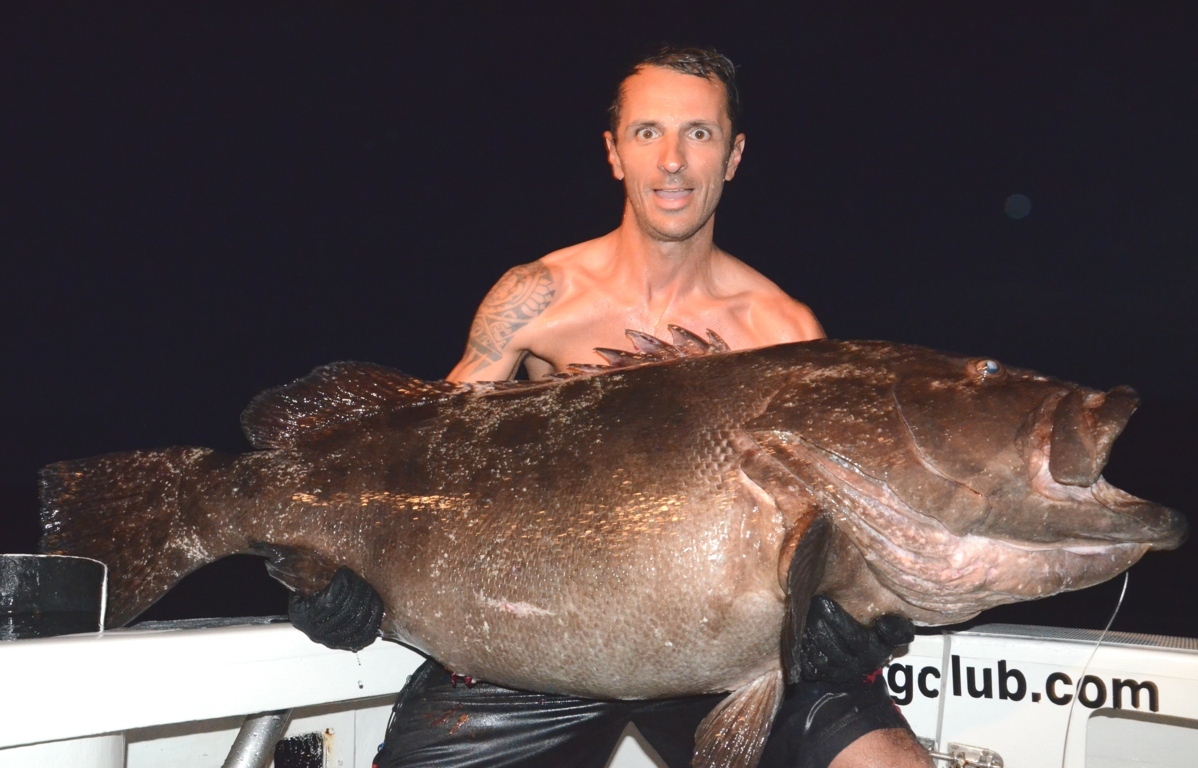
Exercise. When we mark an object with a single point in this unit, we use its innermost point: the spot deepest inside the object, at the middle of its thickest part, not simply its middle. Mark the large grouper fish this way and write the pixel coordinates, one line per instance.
(653, 528)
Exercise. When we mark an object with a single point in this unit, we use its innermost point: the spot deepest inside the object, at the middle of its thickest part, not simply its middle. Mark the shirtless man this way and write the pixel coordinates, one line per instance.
(674, 141)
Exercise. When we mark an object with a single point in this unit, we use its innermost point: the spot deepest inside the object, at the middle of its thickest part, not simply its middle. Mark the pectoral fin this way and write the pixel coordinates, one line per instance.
(733, 735)
(810, 545)
(801, 557)
(299, 570)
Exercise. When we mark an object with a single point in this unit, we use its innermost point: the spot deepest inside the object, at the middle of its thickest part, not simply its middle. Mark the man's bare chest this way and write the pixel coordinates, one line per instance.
(571, 338)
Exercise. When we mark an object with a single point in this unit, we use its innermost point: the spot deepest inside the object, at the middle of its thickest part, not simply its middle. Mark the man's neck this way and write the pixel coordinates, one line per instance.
(662, 269)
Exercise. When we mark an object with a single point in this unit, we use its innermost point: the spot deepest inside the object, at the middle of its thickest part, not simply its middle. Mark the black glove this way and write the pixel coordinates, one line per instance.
(345, 615)
(839, 649)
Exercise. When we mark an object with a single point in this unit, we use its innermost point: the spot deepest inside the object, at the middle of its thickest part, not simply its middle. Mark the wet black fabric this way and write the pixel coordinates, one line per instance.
(436, 723)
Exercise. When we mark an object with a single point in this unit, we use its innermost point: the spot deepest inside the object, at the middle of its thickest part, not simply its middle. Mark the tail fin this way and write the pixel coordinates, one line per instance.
(127, 511)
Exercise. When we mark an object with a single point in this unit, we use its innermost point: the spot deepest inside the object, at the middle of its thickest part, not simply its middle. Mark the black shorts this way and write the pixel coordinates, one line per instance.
(436, 723)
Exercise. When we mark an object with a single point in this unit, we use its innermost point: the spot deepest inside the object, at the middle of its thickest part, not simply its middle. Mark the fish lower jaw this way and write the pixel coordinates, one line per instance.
(1095, 547)
(1135, 551)
(955, 583)
(1137, 521)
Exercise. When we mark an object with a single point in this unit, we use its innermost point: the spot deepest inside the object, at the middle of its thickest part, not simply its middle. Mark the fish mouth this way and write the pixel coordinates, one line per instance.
(1071, 440)
(952, 576)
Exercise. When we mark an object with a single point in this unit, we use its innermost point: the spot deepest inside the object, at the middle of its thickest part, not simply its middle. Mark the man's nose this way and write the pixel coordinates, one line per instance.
(673, 159)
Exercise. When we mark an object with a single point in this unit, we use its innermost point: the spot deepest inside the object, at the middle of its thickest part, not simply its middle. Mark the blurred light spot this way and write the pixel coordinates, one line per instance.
(1017, 206)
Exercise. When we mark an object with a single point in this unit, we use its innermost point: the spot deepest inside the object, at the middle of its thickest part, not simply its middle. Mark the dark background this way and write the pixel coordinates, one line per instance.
(200, 201)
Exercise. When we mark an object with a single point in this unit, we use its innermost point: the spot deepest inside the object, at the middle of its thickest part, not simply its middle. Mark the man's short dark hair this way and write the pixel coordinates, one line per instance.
(707, 63)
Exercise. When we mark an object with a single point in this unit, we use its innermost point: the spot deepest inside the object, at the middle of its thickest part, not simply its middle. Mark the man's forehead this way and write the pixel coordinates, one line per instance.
(656, 93)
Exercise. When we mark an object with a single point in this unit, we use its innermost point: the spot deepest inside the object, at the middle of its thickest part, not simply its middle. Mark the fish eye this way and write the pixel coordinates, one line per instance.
(987, 369)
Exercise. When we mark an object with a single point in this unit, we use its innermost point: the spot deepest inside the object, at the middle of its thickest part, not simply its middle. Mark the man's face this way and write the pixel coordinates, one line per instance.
(673, 150)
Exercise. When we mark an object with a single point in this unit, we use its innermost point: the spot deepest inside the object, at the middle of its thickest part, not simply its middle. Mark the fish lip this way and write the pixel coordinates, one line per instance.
(1171, 526)
(1084, 426)
(1075, 545)
(1151, 524)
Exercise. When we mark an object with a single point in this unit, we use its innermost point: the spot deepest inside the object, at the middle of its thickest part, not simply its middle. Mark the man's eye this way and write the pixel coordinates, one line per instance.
(701, 133)
(645, 133)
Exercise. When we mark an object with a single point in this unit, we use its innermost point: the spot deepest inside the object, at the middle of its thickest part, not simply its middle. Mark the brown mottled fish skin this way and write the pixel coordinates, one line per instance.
(628, 533)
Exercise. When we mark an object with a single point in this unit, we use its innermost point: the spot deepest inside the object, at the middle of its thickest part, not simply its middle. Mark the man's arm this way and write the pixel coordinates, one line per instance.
(494, 351)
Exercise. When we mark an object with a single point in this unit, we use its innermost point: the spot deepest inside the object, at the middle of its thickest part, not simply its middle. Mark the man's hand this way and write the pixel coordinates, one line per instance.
(345, 615)
(837, 648)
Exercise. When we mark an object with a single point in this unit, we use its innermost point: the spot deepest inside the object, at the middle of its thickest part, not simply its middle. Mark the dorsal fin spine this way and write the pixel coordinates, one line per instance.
(649, 349)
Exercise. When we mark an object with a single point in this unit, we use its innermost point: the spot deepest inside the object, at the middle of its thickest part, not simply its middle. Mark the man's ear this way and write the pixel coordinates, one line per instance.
(613, 159)
(738, 149)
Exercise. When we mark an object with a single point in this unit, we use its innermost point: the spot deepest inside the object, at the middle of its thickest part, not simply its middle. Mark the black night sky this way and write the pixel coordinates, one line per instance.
(200, 201)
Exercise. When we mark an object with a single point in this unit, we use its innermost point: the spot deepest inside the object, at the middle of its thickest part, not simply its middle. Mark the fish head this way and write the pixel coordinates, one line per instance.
(963, 483)
(1026, 452)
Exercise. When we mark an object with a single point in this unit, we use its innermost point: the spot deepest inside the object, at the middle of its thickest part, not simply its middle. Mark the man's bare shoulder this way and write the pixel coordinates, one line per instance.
(545, 277)
(521, 295)
(524, 309)
(579, 262)
(776, 318)
(740, 276)
(770, 314)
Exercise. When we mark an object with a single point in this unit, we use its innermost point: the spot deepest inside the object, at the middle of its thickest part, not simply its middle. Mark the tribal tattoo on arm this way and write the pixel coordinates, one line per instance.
(521, 295)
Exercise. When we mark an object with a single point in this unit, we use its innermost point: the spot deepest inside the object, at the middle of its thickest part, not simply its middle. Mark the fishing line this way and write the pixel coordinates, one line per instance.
(1086, 667)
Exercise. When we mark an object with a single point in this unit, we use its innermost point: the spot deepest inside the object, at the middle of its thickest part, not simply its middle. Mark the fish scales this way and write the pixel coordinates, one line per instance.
(617, 542)
(628, 533)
